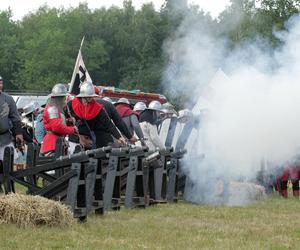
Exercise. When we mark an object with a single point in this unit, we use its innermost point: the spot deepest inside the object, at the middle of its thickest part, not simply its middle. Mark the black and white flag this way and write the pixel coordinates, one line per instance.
(80, 74)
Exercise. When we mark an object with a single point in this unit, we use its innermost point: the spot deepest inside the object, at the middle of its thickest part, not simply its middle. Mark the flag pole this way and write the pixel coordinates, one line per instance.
(82, 42)
(76, 63)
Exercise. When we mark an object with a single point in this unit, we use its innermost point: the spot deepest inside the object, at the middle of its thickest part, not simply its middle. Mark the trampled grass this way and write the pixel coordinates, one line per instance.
(273, 224)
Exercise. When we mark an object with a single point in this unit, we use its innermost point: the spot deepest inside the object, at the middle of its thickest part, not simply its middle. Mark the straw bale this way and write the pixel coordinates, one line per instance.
(28, 210)
(244, 193)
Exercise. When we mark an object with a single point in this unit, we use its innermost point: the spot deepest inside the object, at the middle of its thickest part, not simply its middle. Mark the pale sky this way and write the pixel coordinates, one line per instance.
(22, 7)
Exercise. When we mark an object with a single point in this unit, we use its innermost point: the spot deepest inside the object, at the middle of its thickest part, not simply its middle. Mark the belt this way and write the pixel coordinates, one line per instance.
(51, 133)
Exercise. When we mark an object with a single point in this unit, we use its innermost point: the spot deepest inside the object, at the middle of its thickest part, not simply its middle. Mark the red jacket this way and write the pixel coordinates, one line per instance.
(294, 172)
(54, 124)
(124, 110)
(290, 172)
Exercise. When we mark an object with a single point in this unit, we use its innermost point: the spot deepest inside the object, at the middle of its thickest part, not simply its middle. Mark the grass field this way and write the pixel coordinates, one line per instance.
(273, 224)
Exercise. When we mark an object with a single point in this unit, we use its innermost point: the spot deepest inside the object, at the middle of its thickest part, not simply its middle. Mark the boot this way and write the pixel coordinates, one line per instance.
(295, 183)
(284, 188)
(284, 193)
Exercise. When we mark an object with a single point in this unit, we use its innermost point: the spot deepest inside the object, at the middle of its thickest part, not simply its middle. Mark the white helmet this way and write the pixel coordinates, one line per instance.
(155, 105)
(168, 108)
(106, 98)
(123, 100)
(30, 108)
(139, 106)
(59, 90)
(87, 89)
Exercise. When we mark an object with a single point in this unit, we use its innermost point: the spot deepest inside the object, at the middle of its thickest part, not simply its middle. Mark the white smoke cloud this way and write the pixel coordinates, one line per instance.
(193, 54)
(254, 114)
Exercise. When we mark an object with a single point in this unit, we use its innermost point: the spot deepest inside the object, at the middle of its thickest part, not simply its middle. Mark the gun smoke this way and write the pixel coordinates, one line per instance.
(252, 111)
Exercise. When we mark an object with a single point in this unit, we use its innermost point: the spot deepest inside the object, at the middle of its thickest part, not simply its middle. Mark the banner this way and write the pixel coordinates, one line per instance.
(80, 73)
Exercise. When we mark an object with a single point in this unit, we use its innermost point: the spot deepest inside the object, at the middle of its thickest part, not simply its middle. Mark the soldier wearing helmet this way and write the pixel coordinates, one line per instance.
(91, 116)
(30, 112)
(149, 120)
(107, 99)
(130, 117)
(117, 120)
(54, 119)
(168, 124)
(187, 122)
(139, 107)
(168, 111)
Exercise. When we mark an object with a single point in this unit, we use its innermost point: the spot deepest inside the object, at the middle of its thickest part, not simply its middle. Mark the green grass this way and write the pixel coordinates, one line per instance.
(273, 224)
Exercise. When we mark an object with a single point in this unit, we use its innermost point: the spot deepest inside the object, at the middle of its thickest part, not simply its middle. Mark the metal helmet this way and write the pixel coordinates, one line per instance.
(30, 108)
(155, 105)
(123, 100)
(106, 98)
(27, 109)
(59, 90)
(36, 106)
(139, 106)
(168, 108)
(87, 90)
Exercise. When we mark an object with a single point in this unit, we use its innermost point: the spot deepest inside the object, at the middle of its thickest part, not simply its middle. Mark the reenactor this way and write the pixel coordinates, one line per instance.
(91, 115)
(130, 117)
(117, 121)
(149, 120)
(54, 119)
(10, 124)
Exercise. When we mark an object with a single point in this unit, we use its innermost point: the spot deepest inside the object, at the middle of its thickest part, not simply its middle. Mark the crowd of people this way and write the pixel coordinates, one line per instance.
(92, 122)
(281, 178)
(85, 119)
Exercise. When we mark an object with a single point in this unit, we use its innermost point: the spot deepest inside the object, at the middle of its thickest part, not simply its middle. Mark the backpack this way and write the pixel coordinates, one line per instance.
(39, 131)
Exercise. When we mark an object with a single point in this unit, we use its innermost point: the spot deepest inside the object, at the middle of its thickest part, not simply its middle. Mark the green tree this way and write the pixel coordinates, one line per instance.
(43, 59)
(123, 46)
(9, 44)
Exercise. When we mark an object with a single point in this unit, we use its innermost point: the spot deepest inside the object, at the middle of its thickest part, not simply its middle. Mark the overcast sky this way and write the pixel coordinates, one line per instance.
(22, 7)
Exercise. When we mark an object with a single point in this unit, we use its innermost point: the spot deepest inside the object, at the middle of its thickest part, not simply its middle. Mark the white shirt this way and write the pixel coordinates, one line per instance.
(150, 132)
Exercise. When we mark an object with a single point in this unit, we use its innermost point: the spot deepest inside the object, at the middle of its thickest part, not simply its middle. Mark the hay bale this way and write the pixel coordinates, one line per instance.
(244, 193)
(232, 193)
(28, 210)
(237, 193)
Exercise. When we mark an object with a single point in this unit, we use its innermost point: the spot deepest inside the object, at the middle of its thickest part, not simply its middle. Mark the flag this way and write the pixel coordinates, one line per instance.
(80, 74)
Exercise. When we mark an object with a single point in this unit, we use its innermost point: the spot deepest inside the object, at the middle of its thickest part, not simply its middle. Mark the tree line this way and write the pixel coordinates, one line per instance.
(123, 46)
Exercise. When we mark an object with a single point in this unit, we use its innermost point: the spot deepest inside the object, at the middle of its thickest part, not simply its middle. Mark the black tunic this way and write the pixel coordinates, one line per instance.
(99, 125)
(116, 118)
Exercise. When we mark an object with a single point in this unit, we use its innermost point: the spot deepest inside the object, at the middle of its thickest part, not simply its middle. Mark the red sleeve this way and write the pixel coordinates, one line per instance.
(58, 128)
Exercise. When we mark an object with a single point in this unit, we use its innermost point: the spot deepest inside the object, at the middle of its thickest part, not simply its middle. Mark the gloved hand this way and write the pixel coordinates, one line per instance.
(133, 139)
(121, 141)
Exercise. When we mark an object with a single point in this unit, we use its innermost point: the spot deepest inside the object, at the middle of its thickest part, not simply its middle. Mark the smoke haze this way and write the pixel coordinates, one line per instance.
(253, 113)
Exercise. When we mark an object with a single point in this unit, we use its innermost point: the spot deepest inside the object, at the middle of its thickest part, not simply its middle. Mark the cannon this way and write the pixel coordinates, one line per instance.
(98, 179)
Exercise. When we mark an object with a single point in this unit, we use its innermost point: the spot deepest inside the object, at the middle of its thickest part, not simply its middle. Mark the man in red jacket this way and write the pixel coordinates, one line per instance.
(282, 182)
(290, 172)
(130, 117)
(91, 116)
(54, 119)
